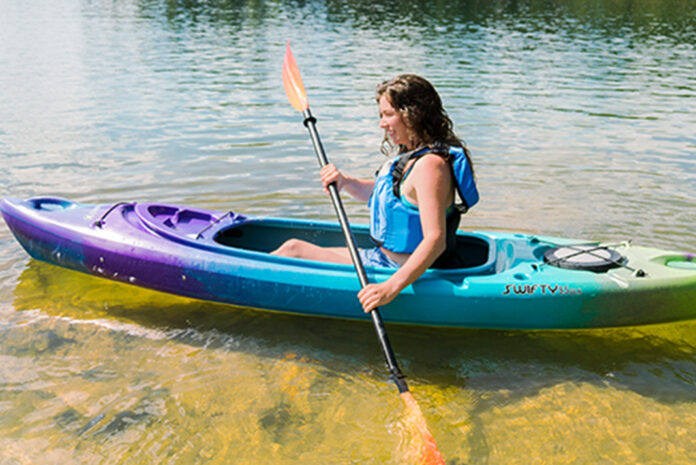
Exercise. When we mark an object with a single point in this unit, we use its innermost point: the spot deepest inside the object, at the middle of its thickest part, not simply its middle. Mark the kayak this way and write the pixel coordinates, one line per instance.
(502, 280)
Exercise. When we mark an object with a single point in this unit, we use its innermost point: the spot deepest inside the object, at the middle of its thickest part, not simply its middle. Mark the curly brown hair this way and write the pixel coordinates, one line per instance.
(421, 110)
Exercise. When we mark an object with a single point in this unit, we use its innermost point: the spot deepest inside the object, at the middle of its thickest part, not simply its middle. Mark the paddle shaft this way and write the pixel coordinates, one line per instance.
(396, 375)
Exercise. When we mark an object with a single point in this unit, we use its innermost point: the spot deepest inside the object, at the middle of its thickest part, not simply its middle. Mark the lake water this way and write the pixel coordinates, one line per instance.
(580, 118)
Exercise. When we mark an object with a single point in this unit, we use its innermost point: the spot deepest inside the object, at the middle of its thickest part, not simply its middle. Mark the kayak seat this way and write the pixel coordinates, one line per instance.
(470, 252)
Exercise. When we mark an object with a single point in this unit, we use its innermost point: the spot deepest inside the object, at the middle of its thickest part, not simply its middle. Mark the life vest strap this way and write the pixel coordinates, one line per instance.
(438, 148)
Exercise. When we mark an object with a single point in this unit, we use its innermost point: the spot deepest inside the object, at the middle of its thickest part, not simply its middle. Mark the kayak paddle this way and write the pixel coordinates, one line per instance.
(294, 88)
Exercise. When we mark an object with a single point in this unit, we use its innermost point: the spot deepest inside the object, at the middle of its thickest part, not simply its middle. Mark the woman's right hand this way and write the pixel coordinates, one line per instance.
(359, 189)
(330, 174)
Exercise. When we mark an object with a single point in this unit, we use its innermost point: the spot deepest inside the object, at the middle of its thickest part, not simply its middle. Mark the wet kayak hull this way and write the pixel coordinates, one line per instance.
(504, 280)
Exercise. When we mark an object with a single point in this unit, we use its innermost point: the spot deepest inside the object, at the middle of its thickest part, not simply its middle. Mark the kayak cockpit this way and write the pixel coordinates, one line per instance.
(473, 250)
(202, 228)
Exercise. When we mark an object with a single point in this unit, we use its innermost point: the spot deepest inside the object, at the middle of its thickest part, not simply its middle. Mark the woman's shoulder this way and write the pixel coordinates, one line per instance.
(431, 167)
(432, 161)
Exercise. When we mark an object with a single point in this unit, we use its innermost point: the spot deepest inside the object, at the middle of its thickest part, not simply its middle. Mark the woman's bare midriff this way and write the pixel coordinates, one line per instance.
(399, 258)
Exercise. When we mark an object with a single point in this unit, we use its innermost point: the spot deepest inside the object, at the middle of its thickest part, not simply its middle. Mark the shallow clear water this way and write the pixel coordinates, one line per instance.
(580, 119)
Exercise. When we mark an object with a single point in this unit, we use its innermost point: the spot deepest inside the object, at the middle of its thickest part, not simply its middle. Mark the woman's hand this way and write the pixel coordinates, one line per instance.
(432, 181)
(377, 295)
(330, 174)
(360, 189)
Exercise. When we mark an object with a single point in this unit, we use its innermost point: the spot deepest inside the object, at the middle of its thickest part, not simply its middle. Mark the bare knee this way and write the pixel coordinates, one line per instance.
(296, 248)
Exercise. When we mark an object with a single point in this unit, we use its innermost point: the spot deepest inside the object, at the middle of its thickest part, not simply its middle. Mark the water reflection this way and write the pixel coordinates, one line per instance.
(110, 367)
(645, 19)
(492, 361)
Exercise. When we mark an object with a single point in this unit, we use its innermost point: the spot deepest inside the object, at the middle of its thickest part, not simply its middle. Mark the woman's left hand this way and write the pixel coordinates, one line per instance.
(377, 295)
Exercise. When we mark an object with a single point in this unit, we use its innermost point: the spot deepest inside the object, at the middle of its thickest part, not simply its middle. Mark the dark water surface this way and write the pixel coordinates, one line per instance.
(580, 117)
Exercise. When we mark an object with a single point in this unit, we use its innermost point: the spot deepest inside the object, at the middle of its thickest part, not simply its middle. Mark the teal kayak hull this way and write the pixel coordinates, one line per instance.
(505, 281)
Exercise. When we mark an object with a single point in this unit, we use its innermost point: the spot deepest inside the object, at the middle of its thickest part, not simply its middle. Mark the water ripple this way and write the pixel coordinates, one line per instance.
(579, 117)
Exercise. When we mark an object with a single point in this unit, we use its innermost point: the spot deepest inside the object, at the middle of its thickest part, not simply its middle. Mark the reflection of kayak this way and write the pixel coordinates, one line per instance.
(505, 280)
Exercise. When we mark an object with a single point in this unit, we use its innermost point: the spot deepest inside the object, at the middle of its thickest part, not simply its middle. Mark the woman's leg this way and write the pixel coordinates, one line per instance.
(298, 248)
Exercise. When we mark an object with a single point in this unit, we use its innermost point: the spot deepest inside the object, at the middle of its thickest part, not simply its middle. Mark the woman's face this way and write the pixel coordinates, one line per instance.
(390, 121)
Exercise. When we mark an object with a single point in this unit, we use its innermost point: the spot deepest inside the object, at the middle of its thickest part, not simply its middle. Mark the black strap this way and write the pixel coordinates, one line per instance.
(438, 148)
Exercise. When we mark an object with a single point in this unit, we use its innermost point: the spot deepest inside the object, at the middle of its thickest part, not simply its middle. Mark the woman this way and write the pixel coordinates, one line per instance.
(413, 216)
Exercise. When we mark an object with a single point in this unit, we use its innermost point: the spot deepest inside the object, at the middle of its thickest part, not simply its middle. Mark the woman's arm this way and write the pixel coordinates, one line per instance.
(360, 189)
(432, 180)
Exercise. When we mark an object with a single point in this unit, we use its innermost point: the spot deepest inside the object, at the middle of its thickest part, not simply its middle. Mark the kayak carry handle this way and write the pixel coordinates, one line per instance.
(100, 222)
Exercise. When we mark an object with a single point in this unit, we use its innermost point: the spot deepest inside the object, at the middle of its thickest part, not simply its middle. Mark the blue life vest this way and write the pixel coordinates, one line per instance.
(394, 224)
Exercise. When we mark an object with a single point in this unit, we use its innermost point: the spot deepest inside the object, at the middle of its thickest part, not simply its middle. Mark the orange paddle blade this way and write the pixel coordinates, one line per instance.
(292, 81)
(429, 453)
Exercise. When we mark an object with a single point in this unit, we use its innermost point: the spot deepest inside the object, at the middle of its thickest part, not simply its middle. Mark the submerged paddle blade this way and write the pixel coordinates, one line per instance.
(292, 81)
(428, 454)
